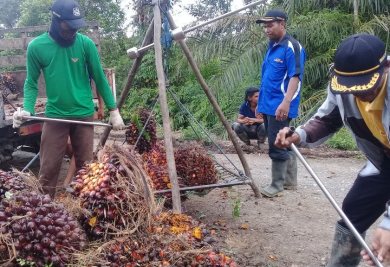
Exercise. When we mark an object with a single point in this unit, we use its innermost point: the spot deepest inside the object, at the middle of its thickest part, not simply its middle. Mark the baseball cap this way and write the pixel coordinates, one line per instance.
(273, 15)
(358, 64)
(70, 12)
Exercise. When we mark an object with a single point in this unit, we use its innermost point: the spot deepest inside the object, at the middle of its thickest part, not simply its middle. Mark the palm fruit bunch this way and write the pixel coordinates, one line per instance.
(93, 180)
(149, 136)
(113, 191)
(194, 166)
(10, 182)
(94, 185)
(43, 233)
(155, 165)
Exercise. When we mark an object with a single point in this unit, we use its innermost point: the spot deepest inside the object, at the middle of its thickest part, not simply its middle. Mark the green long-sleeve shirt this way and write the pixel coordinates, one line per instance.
(67, 73)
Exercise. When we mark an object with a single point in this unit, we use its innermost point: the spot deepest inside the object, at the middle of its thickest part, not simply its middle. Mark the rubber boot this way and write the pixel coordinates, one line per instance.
(279, 170)
(291, 182)
(345, 249)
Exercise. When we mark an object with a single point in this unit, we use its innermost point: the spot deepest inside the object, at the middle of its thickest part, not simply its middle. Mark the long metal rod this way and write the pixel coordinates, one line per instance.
(68, 121)
(208, 186)
(334, 204)
(224, 16)
(31, 162)
(145, 48)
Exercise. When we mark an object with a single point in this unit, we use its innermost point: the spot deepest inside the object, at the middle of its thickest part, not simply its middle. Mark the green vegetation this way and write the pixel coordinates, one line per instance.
(229, 52)
(342, 140)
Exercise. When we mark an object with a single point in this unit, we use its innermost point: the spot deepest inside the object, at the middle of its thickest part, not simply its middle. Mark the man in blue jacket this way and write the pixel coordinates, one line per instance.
(280, 89)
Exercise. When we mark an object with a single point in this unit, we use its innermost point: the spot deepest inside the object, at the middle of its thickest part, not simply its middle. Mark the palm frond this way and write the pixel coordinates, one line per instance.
(309, 106)
(244, 66)
(317, 69)
(370, 7)
(379, 25)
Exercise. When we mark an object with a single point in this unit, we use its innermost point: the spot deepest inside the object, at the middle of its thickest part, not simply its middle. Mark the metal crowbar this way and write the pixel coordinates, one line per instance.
(67, 121)
(59, 120)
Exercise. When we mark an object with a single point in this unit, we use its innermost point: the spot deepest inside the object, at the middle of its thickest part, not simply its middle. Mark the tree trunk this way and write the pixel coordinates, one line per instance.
(356, 12)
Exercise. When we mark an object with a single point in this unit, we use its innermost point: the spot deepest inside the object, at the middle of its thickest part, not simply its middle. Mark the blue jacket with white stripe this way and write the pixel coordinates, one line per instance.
(282, 61)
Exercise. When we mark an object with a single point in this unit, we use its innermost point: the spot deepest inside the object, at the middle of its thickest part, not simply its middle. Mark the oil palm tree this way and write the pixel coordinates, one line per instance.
(238, 44)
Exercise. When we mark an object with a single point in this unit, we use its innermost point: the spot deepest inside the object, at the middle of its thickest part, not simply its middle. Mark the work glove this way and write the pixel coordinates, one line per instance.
(116, 120)
(18, 117)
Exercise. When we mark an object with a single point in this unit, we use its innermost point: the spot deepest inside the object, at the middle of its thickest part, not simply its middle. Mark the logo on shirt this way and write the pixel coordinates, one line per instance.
(75, 59)
(76, 12)
(278, 60)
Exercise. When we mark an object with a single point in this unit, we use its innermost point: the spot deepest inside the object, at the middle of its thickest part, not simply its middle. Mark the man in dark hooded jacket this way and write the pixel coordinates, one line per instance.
(359, 99)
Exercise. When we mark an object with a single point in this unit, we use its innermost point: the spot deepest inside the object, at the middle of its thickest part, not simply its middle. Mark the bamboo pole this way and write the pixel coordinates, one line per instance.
(165, 111)
(254, 183)
(130, 78)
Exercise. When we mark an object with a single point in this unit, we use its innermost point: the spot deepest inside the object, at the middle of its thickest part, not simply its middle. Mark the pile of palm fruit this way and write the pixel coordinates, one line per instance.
(35, 230)
(193, 165)
(109, 190)
(171, 240)
(112, 219)
(10, 182)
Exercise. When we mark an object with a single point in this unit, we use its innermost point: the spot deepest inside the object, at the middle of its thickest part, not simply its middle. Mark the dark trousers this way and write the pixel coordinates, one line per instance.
(255, 131)
(53, 145)
(272, 127)
(366, 200)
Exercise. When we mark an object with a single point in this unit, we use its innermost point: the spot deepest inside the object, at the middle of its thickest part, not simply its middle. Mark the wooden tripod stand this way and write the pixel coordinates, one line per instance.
(154, 33)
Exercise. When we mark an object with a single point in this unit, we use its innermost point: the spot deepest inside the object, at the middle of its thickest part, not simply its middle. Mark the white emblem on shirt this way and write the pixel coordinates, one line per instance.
(278, 60)
(75, 59)
(76, 11)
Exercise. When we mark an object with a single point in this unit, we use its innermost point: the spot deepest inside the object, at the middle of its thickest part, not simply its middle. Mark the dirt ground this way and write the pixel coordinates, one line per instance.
(295, 229)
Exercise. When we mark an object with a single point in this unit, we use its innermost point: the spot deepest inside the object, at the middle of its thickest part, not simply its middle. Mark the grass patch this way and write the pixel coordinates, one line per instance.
(342, 140)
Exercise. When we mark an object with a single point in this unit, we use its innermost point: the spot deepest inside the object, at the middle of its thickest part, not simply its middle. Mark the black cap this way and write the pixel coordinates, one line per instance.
(273, 15)
(70, 12)
(358, 64)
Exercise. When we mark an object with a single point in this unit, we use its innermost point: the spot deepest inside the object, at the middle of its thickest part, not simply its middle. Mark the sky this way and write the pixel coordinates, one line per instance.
(181, 16)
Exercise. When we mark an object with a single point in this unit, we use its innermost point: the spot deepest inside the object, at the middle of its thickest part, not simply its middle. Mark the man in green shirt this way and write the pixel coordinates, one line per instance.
(67, 60)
